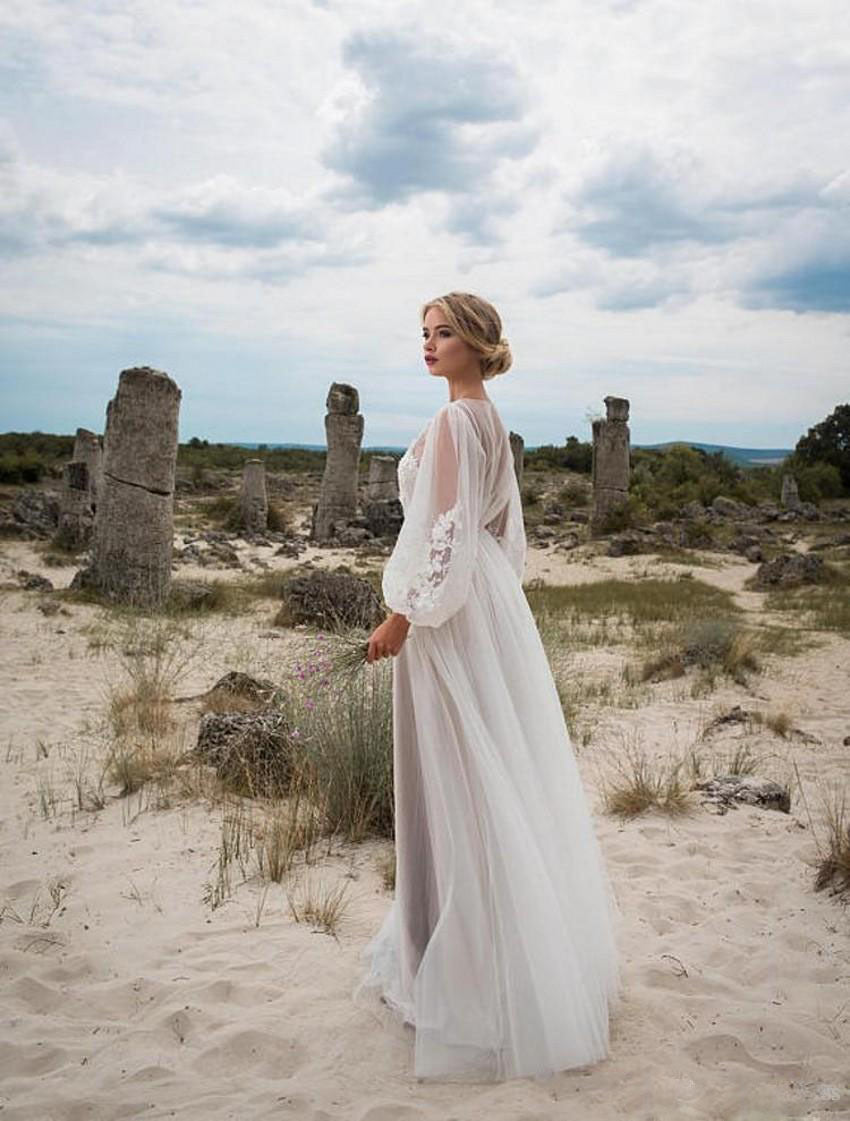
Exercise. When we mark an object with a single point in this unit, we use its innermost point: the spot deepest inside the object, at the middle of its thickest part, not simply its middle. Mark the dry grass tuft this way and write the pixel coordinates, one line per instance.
(780, 723)
(832, 868)
(320, 904)
(641, 784)
(386, 866)
(140, 715)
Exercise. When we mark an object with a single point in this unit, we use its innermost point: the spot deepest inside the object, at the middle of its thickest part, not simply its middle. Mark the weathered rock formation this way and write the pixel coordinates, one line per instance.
(383, 478)
(87, 450)
(790, 495)
(332, 600)
(253, 500)
(76, 512)
(724, 792)
(133, 528)
(252, 752)
(34, 513)
(383, 514)
(791, 569)
(344, 433)
(610, 462)
(518, 448)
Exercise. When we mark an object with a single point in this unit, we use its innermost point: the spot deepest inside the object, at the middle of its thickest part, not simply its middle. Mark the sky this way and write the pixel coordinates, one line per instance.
(257, 198)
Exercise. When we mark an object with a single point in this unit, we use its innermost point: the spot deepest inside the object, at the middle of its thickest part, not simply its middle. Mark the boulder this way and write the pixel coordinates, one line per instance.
(37, 511)
(251, 751)
(791, 569)
(332, 600)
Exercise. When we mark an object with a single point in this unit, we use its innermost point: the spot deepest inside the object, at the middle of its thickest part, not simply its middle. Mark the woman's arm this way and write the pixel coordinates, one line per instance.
(387, 638)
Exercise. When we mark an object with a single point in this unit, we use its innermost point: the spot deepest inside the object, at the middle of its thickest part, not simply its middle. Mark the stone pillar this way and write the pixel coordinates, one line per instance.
(382, 483)
(253, 500)
(133, 529)
(76, 513)
(87, 450)
(344, 432)
(790, 495)
(517, 448)
(382, 508)
(610, 461)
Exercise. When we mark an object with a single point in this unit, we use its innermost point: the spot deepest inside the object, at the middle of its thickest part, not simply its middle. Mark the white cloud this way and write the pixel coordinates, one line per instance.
(655, 198)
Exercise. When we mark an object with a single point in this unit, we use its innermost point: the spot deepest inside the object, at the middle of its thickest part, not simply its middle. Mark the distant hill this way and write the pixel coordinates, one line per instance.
(747, 457)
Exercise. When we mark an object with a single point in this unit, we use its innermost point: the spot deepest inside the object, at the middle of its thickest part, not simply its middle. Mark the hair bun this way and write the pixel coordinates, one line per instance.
(477, 322)
(499, 359)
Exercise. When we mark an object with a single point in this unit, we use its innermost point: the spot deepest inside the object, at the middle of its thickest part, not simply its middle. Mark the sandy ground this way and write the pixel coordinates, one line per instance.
(124, 995)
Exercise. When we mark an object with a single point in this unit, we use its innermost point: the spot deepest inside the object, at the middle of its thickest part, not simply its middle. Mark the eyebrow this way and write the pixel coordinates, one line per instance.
(437, 326)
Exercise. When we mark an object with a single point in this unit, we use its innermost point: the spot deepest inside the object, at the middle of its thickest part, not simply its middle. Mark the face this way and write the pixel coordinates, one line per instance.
(445, 353)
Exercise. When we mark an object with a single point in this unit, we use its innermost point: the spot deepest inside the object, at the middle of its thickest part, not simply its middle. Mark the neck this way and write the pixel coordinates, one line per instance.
(467, 387)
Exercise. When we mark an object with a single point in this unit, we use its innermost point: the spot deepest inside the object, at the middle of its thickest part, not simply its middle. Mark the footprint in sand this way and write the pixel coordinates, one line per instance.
(391, 1112)
(713, 1050)
(270, 1056)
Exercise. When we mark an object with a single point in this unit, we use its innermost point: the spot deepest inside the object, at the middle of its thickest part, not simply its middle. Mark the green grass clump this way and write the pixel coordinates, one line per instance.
(826, 606)
(647, 601)
(715, 645)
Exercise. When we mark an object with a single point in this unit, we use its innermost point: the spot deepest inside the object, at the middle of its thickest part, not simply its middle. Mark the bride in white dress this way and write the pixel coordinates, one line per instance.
(500, 946)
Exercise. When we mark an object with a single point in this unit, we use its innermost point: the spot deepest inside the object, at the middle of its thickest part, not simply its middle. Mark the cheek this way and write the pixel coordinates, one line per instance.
(454, 348)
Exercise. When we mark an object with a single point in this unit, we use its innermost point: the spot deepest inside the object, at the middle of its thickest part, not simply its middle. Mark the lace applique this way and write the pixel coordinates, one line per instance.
(424, 589)
(407, 468)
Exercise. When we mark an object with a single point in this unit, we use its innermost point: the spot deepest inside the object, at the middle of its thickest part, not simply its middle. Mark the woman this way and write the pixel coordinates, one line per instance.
(500, 946)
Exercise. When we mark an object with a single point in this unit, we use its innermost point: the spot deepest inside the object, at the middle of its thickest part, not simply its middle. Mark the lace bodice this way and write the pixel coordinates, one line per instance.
(455, 480)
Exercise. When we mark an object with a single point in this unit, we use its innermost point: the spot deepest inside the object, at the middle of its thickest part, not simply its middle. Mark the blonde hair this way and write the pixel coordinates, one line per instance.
(477, 322)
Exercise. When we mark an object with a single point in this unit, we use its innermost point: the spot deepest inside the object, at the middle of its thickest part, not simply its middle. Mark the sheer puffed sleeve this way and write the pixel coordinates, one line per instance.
(428, 574)
(509, 528)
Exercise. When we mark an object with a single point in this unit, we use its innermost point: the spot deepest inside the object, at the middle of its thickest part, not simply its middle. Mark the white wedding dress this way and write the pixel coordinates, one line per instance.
(500, 946)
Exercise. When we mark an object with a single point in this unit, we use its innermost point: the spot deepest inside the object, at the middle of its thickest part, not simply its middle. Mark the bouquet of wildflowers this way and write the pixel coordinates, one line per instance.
(345, 654)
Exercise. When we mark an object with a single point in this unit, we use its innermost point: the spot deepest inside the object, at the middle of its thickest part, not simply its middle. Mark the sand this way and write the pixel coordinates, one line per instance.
(124, 995)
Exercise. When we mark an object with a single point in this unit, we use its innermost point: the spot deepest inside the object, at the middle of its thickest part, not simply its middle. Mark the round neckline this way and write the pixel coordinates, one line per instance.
(487, 399)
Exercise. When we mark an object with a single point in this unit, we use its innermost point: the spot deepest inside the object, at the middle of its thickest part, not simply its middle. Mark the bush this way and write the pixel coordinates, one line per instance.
(21, 468)
(828, 442)
(574, 493)
(817, 481)
(626, 515)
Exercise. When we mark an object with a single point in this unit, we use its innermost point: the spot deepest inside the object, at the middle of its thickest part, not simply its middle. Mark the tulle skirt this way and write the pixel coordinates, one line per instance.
(500, 946)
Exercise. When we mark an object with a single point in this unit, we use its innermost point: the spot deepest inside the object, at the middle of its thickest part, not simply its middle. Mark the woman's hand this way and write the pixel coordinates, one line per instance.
(387, 638)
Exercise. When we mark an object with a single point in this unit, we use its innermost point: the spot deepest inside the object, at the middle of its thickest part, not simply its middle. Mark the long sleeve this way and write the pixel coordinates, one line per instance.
(509, 529)
(428, 574)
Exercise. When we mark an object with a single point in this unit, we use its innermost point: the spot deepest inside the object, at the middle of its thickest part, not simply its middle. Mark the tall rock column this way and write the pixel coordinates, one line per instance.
(382, 483)
(344, 433)
(382, 508)
(133, 529)
(253, 499)
(76, 513)
(87, 450)
(518, 450)
(790, 494)
(610, 462)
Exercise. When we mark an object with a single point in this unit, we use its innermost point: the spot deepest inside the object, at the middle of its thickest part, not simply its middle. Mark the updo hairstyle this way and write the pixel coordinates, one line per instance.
(477, 322)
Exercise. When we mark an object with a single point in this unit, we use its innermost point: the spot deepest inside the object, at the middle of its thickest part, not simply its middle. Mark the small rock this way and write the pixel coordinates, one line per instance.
(726, 790)
(32, 582)
(624, 545)
(729, 508)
